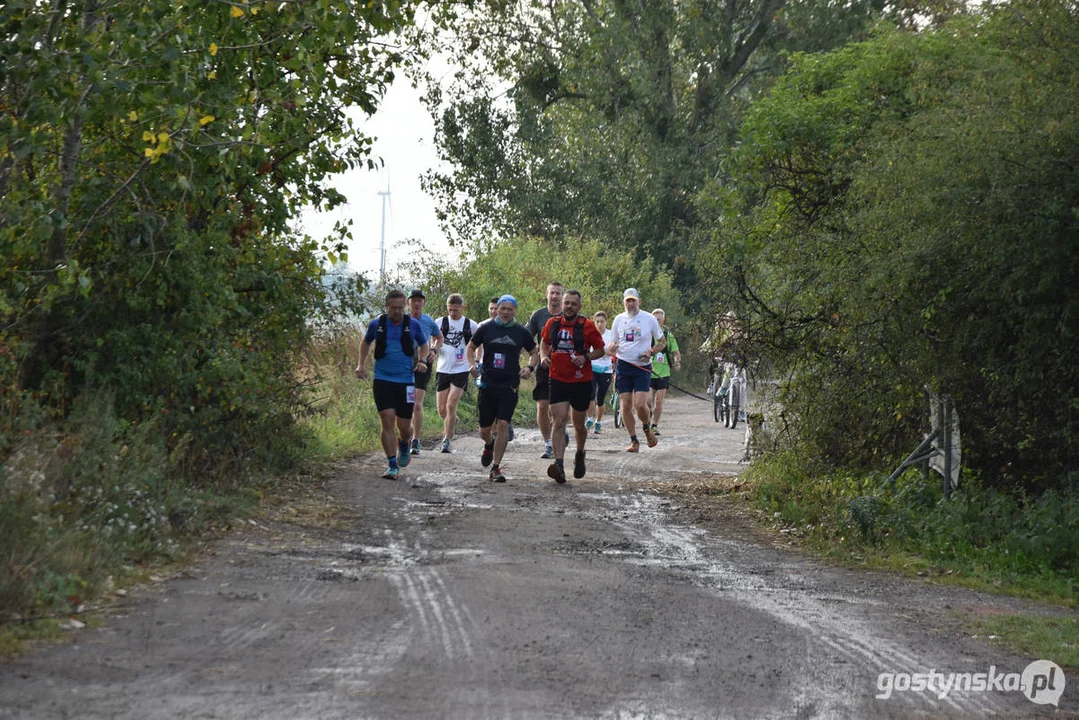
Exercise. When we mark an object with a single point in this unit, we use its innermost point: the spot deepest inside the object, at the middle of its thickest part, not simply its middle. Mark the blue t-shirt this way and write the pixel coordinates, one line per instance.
(429, 325)
(395, 366)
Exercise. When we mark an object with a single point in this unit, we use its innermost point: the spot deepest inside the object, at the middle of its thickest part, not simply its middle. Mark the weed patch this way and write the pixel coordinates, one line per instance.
(983, 537)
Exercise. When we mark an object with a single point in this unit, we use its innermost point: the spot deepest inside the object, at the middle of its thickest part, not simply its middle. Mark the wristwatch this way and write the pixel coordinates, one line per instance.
(531, 368)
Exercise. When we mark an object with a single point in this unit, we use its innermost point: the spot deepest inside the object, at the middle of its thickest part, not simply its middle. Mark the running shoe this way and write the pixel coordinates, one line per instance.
(496, 475)
(415, 447)
(557, 472)
(446, 446)
(403, 455)
(655, 430)
(597, 428)
(589, 423)
(548, 454)
(578, 464)
(391, 473)
(650, 436)
(488, 455)
(634, 446)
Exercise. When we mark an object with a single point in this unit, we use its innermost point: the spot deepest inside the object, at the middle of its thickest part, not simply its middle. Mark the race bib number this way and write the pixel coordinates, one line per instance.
(631, 334)
(410, 394)
(659, 357)
(499, 361)
(459, 354)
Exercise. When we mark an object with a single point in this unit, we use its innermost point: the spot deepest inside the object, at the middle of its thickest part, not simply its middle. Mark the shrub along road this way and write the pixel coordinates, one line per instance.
(442, 595)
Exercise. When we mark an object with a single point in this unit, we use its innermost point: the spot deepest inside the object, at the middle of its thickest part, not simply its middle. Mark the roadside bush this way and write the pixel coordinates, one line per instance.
(82, 501)
(985, 532)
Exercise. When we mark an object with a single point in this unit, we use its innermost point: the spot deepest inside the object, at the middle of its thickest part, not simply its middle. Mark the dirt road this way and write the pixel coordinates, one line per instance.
(442, 595)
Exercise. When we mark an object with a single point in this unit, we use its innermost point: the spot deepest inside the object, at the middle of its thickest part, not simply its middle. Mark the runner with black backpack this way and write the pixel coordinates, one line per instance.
(400, 347)
(453, 375)
(570, 342)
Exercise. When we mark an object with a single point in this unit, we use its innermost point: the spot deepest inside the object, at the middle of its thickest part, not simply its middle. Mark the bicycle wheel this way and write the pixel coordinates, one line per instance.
(716, 403)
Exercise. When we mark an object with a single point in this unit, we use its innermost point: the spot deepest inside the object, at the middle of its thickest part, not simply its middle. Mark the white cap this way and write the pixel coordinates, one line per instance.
(631, 293)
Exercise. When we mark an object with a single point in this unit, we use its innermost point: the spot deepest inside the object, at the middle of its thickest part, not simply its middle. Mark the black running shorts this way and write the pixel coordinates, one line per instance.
(398, 397)
(444, 380)
(578, 394)
(496, 403)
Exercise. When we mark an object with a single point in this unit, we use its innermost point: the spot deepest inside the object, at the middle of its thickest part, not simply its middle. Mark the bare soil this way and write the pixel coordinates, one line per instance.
(442, 595)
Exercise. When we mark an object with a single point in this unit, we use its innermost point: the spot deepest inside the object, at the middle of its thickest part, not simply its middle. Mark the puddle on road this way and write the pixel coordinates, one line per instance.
(758, 578)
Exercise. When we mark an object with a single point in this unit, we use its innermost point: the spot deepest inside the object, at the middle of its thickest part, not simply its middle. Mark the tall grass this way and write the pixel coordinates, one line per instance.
(84, 503)
(1026, 544)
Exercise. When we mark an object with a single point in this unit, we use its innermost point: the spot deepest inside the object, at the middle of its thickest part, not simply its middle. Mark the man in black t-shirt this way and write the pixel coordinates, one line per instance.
(502, 340)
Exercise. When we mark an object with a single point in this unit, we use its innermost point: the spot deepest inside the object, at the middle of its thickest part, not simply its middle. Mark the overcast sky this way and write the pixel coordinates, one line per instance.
(404, 139)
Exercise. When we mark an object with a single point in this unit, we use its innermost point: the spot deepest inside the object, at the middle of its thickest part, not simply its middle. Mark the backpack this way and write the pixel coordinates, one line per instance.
(578, 332)
(467, 329)
(407, 346)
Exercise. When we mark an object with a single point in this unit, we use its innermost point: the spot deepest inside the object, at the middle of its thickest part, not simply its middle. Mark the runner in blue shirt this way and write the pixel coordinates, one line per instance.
(398, 342)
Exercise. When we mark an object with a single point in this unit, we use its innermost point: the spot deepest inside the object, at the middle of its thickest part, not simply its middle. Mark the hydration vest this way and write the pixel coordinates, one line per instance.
(446, 328)
(407, 346)
(578, 332)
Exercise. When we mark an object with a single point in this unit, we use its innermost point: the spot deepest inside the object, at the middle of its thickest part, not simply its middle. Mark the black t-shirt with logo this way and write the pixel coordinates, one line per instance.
(502, 352)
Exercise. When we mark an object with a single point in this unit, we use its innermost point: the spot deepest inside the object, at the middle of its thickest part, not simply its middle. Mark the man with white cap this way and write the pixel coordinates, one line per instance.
(637, 338)
(502, 339)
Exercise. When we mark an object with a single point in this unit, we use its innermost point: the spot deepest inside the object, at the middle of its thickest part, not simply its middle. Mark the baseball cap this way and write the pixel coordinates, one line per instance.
(631, 293)
(416, 292)
(508, 298)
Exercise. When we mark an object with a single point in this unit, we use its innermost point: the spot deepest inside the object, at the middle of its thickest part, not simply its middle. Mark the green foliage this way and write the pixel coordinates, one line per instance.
(995, 537)
(78, 506)
(152, 156)
(1033, 635)
(523, 267)
(902, 217)
(603, 120)
(154, 299)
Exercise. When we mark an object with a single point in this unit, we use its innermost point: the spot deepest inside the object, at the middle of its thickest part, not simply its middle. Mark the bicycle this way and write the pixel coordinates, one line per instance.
(616, 408)
(720, 404)
(721, 408)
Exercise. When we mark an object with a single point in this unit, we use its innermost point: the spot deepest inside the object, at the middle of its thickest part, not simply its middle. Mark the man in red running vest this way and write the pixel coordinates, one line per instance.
(570, 342)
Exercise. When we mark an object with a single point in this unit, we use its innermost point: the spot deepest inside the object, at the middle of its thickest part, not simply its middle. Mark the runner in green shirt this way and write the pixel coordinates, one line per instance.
(661, 369)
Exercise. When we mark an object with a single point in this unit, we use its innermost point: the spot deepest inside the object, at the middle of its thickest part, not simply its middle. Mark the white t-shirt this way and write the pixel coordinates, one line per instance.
(451, 354)
(635, 334)
(605, 364)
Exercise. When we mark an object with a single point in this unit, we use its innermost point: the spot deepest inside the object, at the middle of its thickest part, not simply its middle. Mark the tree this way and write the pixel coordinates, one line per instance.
(904, 215)
(605, 118)
(152, 156)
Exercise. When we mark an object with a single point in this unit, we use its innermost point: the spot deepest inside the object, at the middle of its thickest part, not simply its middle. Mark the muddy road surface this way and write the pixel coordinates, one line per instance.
(442, 595)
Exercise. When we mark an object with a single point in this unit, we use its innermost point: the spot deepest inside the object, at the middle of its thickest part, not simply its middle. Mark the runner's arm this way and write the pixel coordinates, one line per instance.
(423, 356)
(472, 352)
(543, 353)
(361, 366)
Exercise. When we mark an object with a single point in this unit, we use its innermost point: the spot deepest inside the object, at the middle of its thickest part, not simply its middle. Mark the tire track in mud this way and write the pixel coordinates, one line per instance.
(437, 625)
(708, 561)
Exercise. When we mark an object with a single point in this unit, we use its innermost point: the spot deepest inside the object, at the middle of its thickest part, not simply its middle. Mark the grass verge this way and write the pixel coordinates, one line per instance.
(980, 539)
(1055, 639)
